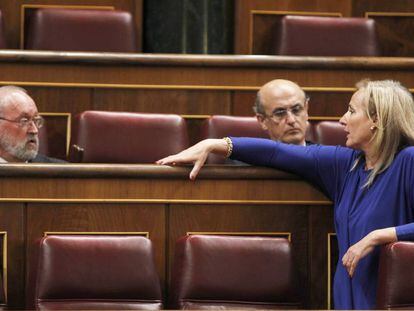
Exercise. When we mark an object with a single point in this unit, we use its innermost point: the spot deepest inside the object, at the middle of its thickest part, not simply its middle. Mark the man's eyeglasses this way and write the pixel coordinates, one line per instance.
(25, 122)
(280, 114)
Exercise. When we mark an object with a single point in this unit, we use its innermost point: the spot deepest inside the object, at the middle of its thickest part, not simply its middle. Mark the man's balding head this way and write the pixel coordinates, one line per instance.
(282, 109)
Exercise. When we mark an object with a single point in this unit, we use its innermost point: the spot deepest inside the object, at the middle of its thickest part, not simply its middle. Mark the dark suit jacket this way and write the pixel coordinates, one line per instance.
(40, 158)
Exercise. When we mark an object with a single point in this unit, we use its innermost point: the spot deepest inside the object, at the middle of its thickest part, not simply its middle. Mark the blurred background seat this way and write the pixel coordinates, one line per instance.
(81, 30)
(97, 273)
(121, 137)
(232, 272)
(396, 276)
(329, 133)
(219, 126)
(326, 36)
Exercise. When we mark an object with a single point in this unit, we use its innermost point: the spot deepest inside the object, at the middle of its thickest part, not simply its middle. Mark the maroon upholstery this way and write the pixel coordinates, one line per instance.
(81, 30)
(120, 137)
(97, 273)
(326, 36)
(220, 126)
(222, 272)
(396, 276)
(3, 44)
(329, 133)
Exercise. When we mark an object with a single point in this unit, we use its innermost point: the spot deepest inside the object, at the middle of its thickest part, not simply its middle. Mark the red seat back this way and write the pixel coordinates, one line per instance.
(326, 36)
(232, 272)
(121, 137)
(396, 276)
(81, 30)
(97, 272)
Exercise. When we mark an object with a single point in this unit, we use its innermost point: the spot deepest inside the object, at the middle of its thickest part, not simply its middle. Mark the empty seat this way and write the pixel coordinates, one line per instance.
(81, 30)
(329, 133)
(219, 126)
(326, 36)
(396, 276)
(232, 272)
(3, 44)
(121, 137)
(97, 273)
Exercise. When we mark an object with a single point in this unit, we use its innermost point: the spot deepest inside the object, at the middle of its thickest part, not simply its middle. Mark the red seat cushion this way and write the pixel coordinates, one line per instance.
(97, 272)
(228, 272)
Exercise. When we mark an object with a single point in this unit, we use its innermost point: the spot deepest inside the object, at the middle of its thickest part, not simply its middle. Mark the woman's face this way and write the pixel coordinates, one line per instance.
(357, 124)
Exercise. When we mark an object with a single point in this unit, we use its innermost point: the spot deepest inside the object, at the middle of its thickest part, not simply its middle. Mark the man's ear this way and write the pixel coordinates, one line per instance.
(306, 104)
(261, 121)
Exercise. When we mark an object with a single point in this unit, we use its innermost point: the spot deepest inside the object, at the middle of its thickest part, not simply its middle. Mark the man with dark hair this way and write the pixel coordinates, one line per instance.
(19, 125)
(281, 108)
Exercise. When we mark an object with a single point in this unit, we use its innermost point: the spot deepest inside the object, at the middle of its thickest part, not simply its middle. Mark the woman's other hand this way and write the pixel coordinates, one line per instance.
(196, 154)
(365, 246)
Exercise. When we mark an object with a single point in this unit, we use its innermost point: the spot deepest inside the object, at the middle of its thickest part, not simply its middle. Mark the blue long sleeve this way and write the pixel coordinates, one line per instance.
(324, 166)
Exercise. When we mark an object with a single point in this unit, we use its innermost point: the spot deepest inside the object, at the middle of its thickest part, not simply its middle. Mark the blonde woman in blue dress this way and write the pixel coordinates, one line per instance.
(371, 181)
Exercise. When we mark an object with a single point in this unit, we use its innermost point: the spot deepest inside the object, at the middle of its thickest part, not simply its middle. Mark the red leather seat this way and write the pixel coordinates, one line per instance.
(232, 272)
(3, 44)
(326, 36)
(219, 126)
(396, 276)
(81, 30)
(121, 137)
(329, 133)
(97, 273)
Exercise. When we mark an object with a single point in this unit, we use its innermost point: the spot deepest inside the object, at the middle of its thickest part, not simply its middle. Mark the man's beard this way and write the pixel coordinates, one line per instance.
(21, 149)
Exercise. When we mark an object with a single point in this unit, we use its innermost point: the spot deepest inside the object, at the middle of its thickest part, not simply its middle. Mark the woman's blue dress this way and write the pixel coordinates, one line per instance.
(388, 202)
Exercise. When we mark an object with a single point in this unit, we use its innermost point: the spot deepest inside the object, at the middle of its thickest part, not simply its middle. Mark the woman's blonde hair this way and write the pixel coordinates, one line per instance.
(390, 105)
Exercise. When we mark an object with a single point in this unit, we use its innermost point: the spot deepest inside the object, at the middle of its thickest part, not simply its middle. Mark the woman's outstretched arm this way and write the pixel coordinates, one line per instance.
(198, 154)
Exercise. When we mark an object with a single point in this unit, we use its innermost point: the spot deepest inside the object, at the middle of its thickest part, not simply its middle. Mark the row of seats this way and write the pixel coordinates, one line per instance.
(118, 272)
(121, 137)
(114, 31)
(91, 272)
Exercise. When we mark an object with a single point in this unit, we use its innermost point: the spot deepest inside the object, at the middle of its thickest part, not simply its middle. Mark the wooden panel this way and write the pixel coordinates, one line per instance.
(163, 101)
(59, 99)
(54, 141)
(95, 218)
(360, 7)
(195, 86)
(159, 200)
(395, 24)
(328, 103)
(12, 222)
(250, 219)
(395, 33)
(320, 219)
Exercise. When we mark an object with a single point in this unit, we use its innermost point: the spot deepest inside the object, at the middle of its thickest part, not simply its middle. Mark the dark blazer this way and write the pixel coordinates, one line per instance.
(40, 158)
